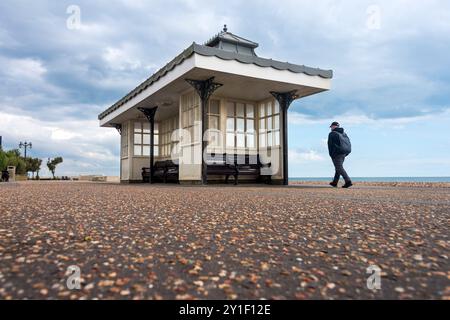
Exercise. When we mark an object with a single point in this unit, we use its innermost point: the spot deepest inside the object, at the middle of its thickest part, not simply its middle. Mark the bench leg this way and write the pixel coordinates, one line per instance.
(226, 178)
(236, 180)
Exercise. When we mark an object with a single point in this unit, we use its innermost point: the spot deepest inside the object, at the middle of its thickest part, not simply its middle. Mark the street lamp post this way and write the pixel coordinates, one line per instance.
(25, 145)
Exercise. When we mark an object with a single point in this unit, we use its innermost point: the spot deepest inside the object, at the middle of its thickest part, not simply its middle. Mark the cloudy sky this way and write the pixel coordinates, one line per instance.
(391, 89)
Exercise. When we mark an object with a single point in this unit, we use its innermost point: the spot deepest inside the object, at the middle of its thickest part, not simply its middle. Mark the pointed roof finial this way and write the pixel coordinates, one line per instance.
(225, 29)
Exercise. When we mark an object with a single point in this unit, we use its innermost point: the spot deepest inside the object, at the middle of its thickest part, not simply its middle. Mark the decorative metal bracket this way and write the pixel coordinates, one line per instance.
(149, 113)
(285, 98)
(118, 127)
(204, 88)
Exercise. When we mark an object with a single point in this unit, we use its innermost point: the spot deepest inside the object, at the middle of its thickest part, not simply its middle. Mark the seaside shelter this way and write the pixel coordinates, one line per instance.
(215, 112)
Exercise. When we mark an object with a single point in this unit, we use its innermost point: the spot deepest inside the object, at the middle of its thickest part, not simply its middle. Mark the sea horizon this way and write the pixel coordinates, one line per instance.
(377, 179)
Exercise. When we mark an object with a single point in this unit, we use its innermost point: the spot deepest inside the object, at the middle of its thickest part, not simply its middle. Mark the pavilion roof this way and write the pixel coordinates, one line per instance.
(211, 49)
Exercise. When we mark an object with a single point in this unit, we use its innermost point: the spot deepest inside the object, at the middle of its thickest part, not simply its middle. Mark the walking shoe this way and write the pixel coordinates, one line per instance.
(334, 185)
(347, 185)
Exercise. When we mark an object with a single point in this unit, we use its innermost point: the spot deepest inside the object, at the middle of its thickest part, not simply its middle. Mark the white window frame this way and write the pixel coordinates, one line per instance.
(142, 133)
(245, 133)
(269, 134)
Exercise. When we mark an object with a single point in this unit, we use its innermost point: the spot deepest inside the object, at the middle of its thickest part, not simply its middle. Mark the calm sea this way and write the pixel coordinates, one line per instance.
(383, 179)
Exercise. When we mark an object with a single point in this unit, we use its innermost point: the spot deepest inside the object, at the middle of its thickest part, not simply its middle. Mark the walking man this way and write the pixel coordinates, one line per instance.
(339, 147)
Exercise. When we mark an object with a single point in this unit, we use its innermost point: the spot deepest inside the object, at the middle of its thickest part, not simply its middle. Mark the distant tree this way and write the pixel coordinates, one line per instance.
(3, 160)
(13, 153)
(14, 159)
(39, 164)
(34, 165)
(52, 163)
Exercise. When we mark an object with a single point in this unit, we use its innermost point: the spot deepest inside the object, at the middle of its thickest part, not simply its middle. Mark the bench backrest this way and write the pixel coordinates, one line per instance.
(165, 164)
(233, 159)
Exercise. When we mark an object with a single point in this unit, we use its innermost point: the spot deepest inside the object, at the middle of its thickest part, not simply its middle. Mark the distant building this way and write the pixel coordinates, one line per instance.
(221, 91)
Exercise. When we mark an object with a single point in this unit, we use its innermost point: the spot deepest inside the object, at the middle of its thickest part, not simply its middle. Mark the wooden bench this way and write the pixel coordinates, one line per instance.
(217, 164)
(164, 171)
(236, 165)
(251, 165)
(221, 165)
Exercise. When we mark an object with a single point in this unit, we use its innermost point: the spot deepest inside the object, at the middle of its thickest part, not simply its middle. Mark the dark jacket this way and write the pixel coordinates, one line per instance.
(334, 142)
(5, 176)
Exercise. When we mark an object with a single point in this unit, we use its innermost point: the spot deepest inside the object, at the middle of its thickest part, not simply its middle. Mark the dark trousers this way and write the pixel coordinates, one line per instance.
(338, 162)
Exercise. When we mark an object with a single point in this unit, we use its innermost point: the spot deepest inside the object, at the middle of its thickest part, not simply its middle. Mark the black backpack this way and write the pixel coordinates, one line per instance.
(345, 146)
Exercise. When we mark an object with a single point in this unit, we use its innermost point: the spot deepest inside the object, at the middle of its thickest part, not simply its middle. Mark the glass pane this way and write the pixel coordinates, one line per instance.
(240, 125)
(137, 138)
(262, 140)
(240, 140)
(196, 100)
(191, 117)
(146, 139)
(250, 125)
(276, 136)
(214, 107)
(240, 110)
(269, 123)
(269, 108)
(214, 139)
(276, 120)
(197, 114)
(191, 133)
(195, 133)
(185, 119)
(277, 107)
(137, 127)
(218, 138)
(146, 151)
(230, 109)
(214, 122)
(230, 139)
(262, 124)
(262, 110)
(146, 127)
(155, 139)
(250, 111)
(250, 140)
(155, 151)
(137, 150)
(269, 139)
(230, 124)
